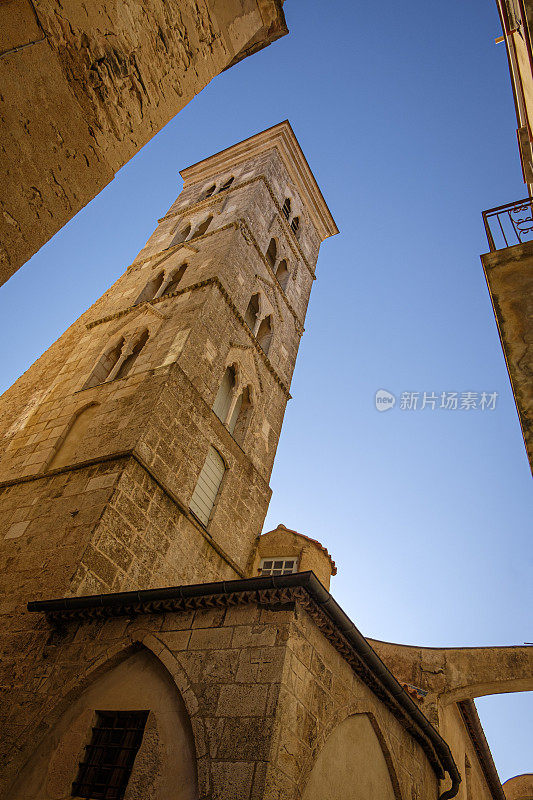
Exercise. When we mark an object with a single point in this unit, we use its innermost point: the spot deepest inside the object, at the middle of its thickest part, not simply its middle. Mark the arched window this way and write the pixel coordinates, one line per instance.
(105, 365)
(286, 207)
(240, 417)
(207, 487)
(129, 360)
(182, 235)
(252, 312)
(74, 437)
(271, 253)
(295, 224)
(264, 335)
(222, 403)
(210, 191)
(282, 274)
(173, 280)
(151, 289)
(202, 228)
(226, 185)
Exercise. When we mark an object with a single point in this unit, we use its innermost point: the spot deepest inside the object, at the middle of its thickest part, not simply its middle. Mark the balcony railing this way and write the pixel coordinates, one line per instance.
(510, 224)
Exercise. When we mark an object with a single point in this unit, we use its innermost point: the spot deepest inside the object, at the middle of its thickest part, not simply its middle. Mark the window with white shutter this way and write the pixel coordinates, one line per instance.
(207, 486)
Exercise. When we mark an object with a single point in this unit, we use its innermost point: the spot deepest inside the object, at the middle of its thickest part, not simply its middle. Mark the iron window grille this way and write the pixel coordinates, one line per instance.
(278, 566)
(105, 770)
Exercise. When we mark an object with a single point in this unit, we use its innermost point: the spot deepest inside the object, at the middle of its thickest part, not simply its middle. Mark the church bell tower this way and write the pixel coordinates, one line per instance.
(138, 449)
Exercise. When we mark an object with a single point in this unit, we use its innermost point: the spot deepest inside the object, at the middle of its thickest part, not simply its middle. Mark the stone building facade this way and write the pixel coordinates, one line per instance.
(509, 227)
(85, 86)
(169, 651)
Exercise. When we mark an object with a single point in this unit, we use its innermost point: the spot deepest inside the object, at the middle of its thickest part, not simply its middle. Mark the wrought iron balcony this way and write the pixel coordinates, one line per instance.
(510, 224)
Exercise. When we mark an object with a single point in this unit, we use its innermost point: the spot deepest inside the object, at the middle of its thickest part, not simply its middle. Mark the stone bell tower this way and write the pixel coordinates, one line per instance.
(138, 448)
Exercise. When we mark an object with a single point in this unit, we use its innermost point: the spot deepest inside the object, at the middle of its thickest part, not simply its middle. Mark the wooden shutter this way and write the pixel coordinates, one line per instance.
(206, 490)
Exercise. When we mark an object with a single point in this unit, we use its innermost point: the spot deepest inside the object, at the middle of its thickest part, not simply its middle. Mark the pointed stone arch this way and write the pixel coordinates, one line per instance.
(366, 727)
(71, 440)
(269, 289)
(247, 365)
(111, 679)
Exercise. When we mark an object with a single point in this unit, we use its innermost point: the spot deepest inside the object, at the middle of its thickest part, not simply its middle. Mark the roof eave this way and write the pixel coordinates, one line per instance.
(282, 138)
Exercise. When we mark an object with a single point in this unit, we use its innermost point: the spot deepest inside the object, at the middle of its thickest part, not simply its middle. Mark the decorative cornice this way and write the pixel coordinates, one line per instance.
(214, 281)
(259, 350)
(292, 239)
(246, 231)
(281, 139)
(133, 455)
(244, 228)
(303, 589)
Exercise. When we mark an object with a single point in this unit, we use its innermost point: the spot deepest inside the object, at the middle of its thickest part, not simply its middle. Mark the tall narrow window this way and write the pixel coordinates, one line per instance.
(210, 191)
(295, 224)
(286, 207)
(174, 279)
(207, 486)
(202, 228)
(226, 185)
(240, 418)
(252, 312)
(264, 335)
(106, 767)
(222, 403)
(181, 235)
(151, 289)
(282, 274)
(105, 365)
(271, 253)
(128, 362)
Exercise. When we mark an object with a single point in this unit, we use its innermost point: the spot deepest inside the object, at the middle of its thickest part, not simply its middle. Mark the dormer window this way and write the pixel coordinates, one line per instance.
(278, 566)
(226, 185)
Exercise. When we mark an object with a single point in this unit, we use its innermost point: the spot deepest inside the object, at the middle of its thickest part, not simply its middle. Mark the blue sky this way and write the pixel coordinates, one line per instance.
(406, 117)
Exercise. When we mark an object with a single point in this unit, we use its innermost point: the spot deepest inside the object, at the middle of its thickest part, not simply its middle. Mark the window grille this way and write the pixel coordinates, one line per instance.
(295, 224)
(105, 770)
(286, 207)
(278, 566)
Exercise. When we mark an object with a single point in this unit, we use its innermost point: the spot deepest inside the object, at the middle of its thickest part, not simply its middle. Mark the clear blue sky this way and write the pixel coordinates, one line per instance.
(405, 113)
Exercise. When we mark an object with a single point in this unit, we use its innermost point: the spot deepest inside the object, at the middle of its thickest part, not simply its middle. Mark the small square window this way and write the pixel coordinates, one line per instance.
(278, 566)
(105, 770)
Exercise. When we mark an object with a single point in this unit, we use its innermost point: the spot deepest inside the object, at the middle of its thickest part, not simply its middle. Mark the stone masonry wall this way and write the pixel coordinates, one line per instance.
(262, 686)
(85, 86)
(509, 277)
